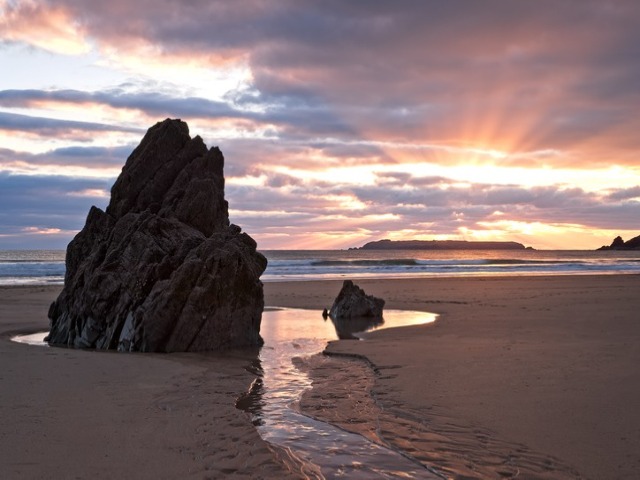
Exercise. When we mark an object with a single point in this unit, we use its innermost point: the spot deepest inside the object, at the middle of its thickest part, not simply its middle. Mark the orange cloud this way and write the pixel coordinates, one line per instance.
(52, 28)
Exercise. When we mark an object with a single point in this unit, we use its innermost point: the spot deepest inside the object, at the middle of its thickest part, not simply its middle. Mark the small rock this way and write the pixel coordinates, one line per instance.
(353, 302)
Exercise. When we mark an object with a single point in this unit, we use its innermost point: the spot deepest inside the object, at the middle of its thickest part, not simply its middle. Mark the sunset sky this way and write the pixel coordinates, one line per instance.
(341, 122)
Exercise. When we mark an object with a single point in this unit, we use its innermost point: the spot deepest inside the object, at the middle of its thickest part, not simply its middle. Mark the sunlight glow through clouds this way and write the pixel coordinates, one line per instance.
(205, 76)
(91, 192)
(41, 231)
(549, 236)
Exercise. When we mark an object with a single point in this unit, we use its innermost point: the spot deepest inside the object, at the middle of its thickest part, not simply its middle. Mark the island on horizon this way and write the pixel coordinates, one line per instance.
(387, 244)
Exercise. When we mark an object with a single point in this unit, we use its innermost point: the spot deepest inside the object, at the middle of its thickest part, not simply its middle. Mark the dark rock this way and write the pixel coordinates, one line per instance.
(162, 270)
(634, 243)
(619, 244)
(353, 302)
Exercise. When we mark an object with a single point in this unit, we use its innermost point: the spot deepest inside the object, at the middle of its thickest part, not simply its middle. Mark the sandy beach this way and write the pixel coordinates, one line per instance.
(82, 414)
(541, 371)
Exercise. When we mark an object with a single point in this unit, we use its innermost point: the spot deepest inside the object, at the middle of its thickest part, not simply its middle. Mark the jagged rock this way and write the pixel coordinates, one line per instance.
(353, 302)
(162, 270)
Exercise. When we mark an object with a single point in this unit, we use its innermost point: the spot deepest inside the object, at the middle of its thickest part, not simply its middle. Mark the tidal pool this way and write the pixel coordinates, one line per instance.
(318, 449)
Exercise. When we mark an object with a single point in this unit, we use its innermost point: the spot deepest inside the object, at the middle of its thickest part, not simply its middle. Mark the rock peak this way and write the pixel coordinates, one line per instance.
(168, 173)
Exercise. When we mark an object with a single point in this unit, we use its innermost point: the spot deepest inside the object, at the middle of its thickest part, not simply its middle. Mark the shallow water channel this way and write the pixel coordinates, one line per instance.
(317, 449)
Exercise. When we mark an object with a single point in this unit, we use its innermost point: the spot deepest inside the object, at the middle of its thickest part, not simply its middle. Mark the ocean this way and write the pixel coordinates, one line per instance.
(46, 267)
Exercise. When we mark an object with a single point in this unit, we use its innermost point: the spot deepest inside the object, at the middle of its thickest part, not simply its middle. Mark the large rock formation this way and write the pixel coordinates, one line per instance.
(162, 270)
(352, 302)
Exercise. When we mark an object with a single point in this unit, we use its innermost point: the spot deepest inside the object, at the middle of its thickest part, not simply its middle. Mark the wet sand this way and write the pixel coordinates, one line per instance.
(536, 377)
(81, 414)
(542, 369)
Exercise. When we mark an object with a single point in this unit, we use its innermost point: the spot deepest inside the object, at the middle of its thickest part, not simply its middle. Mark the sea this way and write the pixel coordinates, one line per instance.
(46, 267)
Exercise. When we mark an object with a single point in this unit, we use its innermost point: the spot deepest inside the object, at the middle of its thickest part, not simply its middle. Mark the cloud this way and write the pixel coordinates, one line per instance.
(47, 202)
(86, 156)
(521, 78)
(152, 103)
(625, 194)
(51, 127)
(410, 67)
(50, 27)
(297, 117)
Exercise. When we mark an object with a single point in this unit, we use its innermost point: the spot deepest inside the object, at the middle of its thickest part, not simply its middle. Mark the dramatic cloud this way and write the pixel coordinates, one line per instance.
(343, 121)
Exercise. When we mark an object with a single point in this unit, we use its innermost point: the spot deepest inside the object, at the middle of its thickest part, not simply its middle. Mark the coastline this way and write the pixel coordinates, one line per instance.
(549, 363)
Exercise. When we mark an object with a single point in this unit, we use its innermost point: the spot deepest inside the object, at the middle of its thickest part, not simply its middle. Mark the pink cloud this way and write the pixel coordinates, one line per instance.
(50, 27)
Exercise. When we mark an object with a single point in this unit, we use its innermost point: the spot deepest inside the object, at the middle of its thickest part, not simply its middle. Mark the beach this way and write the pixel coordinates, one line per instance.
(80, 414)
(539, 370)
(545, 362)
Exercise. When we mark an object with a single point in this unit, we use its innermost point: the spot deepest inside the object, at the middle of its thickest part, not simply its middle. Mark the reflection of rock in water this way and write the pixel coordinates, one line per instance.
(347, 327)
(252, 401)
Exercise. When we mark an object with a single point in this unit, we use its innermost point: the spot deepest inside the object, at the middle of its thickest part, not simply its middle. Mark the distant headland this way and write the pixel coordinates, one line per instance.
(619, 244)
(440, 245)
